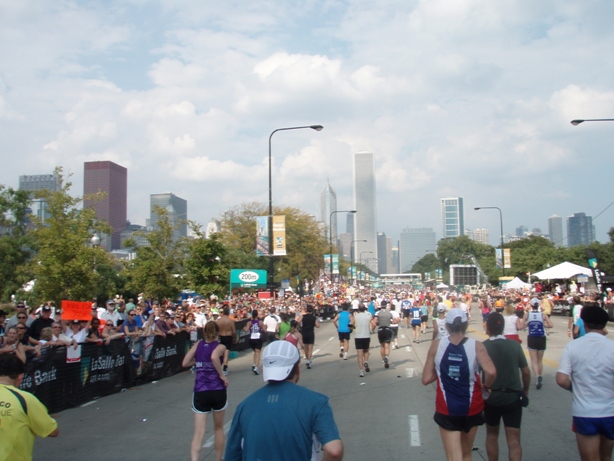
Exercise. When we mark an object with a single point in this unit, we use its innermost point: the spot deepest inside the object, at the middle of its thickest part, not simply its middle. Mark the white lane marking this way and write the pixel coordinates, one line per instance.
(408, 348)
(331, 338)
(315, 352)
(209, 443)
(88, 403)
(414, 431)
(403, 336)
(409, 372)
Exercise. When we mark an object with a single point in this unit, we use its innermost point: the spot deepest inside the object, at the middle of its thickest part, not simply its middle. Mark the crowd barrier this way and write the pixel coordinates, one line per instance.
(60, 382)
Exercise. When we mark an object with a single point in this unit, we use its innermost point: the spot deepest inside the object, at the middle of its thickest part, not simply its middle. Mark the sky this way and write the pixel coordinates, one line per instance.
(469, 98)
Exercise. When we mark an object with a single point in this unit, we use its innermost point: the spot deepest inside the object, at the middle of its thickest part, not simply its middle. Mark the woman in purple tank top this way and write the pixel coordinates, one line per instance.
(209, 389)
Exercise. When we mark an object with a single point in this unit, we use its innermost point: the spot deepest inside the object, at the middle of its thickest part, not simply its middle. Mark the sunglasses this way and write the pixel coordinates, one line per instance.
(20, 328)
(21, 318)
(131, 315)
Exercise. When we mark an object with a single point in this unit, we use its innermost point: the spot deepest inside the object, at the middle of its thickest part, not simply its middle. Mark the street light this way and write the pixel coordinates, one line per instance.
(313, 127)
(95, 241)
(330, 238)
(501, 217)
(352, 253)
(578, 121)
(361, 253)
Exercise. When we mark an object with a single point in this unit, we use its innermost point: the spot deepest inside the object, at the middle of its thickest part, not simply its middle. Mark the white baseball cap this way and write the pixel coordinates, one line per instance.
(454, 314)
(278, 359)
(441, 307)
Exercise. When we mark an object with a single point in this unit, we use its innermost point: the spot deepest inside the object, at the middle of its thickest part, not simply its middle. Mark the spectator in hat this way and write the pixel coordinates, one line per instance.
(282, 415)
(43, 321)
(587, 370)
(110, 315)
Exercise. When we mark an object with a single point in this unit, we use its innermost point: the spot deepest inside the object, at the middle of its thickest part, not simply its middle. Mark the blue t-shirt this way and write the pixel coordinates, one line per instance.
(278, 422)
(415, 314)
(343, 322)
(371, 308)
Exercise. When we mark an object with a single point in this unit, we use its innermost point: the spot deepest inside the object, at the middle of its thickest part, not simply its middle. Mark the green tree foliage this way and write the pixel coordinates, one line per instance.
(427, 263)
(157, 270)
(455, 251)
(15, 241)
(306, 244)
(64, 265)
(206, 266)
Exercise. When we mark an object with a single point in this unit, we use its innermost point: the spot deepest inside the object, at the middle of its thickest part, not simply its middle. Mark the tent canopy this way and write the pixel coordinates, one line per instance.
(516, 284)
(441, 285)
(564, 270)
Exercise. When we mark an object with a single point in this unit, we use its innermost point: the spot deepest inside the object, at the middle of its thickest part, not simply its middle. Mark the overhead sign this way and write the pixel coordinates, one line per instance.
(248, 278)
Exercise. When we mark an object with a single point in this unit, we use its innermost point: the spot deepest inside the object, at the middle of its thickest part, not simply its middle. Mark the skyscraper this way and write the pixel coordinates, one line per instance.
(453, 217)
(177, 209)
(481, 235)
(555, 230)
(579, 230)
(414, 244)
(364, 203)
(521, 230)
(112, 179)
(36, 182)
(328, 204)
(349, 224)
(383, 243)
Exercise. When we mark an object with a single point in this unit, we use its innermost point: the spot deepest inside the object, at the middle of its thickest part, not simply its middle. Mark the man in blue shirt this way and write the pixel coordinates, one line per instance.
(283, 421)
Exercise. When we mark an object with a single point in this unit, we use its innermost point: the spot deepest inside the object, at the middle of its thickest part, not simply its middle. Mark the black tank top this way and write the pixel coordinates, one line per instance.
(309, 322)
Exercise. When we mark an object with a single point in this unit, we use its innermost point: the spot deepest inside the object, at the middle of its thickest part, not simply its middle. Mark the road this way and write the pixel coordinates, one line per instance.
(386, 415)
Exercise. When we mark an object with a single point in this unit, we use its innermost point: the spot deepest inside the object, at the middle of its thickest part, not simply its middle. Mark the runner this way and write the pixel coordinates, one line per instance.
(256, 328)
(228, 335)
(406, 305)
(383, 320)
(344, 322)
(424, 315)
(536, 340)
(210, 386)
(416, 313)
(394, 326)
(308, 322)
(362, 339)
(293, 336)
(439, 323)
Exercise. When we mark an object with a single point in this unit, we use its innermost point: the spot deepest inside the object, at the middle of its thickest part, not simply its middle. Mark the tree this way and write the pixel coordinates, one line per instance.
(15, 241)
(206, 265)
(157, 270)
(306, 243)
(427, 263)
(455, 251)
(64, 264)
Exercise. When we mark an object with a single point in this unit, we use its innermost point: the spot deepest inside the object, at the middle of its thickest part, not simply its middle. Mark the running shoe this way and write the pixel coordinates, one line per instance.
(225, 372)
(309, 364)
(366, 365)
(539, 382)
(362, 373)
(255, 370)
(386, 364)
(417, 341)
(341, 352)
(345, 356)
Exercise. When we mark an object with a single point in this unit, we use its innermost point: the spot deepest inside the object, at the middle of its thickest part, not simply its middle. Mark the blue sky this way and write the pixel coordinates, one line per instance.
(469, 98)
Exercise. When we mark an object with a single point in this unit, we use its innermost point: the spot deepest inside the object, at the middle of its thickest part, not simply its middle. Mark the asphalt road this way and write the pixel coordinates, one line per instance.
(386, 415)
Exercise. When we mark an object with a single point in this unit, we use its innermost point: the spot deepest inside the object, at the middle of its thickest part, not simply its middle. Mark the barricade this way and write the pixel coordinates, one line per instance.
(107, 369)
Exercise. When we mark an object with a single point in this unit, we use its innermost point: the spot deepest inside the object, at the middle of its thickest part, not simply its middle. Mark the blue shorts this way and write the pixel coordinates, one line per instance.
(594, 426)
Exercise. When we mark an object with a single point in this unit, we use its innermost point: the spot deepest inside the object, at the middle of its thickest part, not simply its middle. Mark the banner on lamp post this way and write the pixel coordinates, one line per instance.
(262, 236)
(335, 264)
(279, 235)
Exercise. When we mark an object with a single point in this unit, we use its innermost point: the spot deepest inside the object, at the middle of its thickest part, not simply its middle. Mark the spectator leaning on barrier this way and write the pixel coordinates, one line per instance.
(11, 345)
(110, 315)
(20, 308)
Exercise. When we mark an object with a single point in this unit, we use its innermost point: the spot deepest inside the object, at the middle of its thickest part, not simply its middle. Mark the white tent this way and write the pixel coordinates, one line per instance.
(441, 285)
(564, 270)
(516, 284)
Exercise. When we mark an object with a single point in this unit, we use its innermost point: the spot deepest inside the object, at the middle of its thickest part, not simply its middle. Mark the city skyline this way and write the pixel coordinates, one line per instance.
(365, 204)
(185, 95)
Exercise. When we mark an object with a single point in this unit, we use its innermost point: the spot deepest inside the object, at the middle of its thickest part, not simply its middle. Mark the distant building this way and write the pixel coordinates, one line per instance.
(395, 260)
(349, 224)
(328, 205)
(112, 179)
(580, 230)
(521, 230)
(555, 230)
(481, 235)
(453, 217)
(129, 231)
(382, 251)
(414, 244)
(365, 218)
(344, 245)
(177, 209)
(214, 226)
(36, 182)
(536, 231)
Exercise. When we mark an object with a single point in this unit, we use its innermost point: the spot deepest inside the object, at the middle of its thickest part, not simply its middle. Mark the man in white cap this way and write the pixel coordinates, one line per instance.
(283, 421)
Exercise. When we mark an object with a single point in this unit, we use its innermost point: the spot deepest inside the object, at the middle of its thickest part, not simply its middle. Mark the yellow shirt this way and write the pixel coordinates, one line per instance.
(18, 429)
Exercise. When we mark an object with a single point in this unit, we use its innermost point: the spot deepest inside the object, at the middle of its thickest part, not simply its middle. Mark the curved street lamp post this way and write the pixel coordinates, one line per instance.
(271, 278)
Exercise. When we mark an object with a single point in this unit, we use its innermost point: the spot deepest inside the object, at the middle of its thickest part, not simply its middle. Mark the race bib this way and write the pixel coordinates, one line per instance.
(255, 336)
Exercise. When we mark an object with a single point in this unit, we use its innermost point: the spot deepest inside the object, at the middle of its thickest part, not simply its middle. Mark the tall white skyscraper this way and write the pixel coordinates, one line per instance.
(555, 230)
(453, 217)
(328, 204)
(366, 215)
(414, 244)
